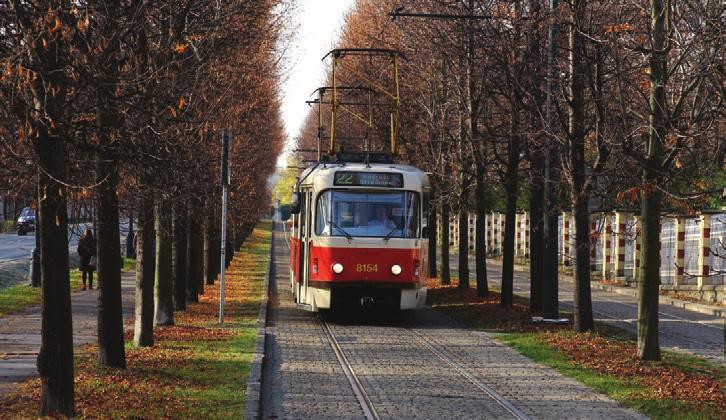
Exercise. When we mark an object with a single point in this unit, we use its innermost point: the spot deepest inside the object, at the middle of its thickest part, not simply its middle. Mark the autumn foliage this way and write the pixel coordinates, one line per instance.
(196, 369)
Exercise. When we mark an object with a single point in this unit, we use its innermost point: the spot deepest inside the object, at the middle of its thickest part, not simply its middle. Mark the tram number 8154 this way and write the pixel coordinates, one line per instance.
(366, 268)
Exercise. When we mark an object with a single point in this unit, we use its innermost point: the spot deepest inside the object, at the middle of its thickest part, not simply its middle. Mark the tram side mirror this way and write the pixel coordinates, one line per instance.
(295, 204)
(425, 232)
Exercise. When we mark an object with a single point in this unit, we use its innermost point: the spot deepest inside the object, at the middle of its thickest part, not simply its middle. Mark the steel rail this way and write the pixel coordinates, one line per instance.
(498, 398)
(368, 410)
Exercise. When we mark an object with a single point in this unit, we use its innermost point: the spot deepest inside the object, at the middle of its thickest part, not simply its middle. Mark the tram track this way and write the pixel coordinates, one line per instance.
(360, 394)
(481, 385)
(364, 400)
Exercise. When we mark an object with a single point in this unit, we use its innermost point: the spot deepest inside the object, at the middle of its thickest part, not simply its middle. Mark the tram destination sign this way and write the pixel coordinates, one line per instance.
(368, 179)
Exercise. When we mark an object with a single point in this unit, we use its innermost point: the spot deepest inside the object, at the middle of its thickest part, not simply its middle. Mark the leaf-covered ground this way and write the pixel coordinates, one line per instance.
(196, 369)
(678, 387)
(18, 298)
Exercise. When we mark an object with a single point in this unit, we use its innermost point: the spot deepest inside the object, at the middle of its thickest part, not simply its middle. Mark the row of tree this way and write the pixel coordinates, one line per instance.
(580, 105)
(124, 101)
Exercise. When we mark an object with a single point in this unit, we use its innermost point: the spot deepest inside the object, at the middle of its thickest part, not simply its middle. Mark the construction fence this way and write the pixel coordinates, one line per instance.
(693, 248)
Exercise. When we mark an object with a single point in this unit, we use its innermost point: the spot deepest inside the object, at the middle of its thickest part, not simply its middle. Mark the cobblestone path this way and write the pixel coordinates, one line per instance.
(401, 374)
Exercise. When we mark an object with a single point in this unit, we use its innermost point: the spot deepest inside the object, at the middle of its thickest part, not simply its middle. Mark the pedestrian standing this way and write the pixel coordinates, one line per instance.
(87, 252)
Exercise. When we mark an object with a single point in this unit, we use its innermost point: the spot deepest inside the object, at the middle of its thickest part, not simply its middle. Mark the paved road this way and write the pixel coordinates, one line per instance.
(680, 329)
(20, 333)
(420, 365)
(15, 251)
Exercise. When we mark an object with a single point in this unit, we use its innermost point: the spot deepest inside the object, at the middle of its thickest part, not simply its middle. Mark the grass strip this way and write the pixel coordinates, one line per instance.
(678, 387)
(196, 369)
(15, 299)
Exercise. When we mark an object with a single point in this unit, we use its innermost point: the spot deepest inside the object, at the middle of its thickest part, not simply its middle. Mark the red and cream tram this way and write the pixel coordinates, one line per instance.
(358, 237)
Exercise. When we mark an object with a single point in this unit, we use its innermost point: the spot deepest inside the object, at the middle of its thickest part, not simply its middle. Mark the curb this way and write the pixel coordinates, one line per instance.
(665, 300)
(254, 382)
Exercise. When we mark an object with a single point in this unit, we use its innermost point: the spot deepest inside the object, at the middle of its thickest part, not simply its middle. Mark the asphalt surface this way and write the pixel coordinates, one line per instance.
(419, 365)
(15, 252)
(680, 330)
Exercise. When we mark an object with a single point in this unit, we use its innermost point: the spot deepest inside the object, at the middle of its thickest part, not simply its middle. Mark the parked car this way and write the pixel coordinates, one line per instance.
(26, 221)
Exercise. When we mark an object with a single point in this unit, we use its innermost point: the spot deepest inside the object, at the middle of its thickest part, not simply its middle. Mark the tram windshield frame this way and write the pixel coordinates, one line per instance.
(368, 214)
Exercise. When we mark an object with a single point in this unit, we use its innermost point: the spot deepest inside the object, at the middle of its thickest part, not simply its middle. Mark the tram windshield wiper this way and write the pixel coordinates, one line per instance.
(390, 234)
(335, 225)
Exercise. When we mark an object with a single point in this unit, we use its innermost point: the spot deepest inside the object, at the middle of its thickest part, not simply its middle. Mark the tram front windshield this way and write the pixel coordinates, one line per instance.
(368, 214)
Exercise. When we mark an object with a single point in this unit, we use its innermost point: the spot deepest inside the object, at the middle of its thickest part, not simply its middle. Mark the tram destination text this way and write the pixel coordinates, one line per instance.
(368, 179)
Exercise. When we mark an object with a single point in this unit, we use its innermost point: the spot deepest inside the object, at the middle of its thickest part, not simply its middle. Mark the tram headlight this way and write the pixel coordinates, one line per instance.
(337, 268)
(396, 269)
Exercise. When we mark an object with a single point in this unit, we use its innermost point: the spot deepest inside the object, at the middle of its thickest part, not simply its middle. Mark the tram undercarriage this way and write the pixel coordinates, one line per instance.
(342, 297)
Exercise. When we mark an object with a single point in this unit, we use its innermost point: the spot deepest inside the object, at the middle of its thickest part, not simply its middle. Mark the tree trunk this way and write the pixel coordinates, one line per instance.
(55, 359)
(145, 270)
(110, 319)
(130, 246)
(433, 233)
(648, 344)
(164, 313)
(510, 220)
(536, 234)
(464, 235)
(537, 157)
(111, 351)
(550, 276)
(180, 259)
(206, 257)
(48, 94)
(482, 281)
(210, 245)
(445, 259)
(583, 319)
(194, 259)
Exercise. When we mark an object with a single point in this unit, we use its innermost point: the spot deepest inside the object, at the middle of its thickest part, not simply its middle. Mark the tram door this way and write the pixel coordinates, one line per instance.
(305, 218)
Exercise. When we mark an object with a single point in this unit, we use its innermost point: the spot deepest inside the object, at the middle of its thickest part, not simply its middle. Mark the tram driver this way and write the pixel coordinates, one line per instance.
(381, 219)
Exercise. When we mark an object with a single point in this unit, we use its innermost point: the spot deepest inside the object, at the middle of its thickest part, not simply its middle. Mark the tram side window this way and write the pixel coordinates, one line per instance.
(368, 214)
(303, 212)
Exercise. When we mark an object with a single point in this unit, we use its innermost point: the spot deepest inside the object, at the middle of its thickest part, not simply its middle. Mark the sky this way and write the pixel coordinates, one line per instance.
(318, 27)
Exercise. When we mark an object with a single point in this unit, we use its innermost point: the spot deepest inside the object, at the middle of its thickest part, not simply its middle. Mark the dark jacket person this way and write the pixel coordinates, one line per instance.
(87, 250)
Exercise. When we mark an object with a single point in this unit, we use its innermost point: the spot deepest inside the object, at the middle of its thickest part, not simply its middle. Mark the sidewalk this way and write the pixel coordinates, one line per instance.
(20, 333)
(703, 308)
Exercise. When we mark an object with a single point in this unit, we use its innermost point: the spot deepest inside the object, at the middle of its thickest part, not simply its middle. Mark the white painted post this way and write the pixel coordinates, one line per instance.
(502, 224)
(704, 250)
(636, 249)
(454, 231)
(489, 218)
(526, 235)
(566, 238)
(472, 231)
(620, 221)
(607, 250)
(594, 235)
(517, 231)
(680, 250)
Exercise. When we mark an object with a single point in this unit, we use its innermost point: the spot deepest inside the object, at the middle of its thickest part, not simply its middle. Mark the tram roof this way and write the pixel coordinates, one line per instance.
(322, 176)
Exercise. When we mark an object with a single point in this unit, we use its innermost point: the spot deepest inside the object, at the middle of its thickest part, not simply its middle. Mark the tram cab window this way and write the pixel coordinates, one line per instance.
(368, 214)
